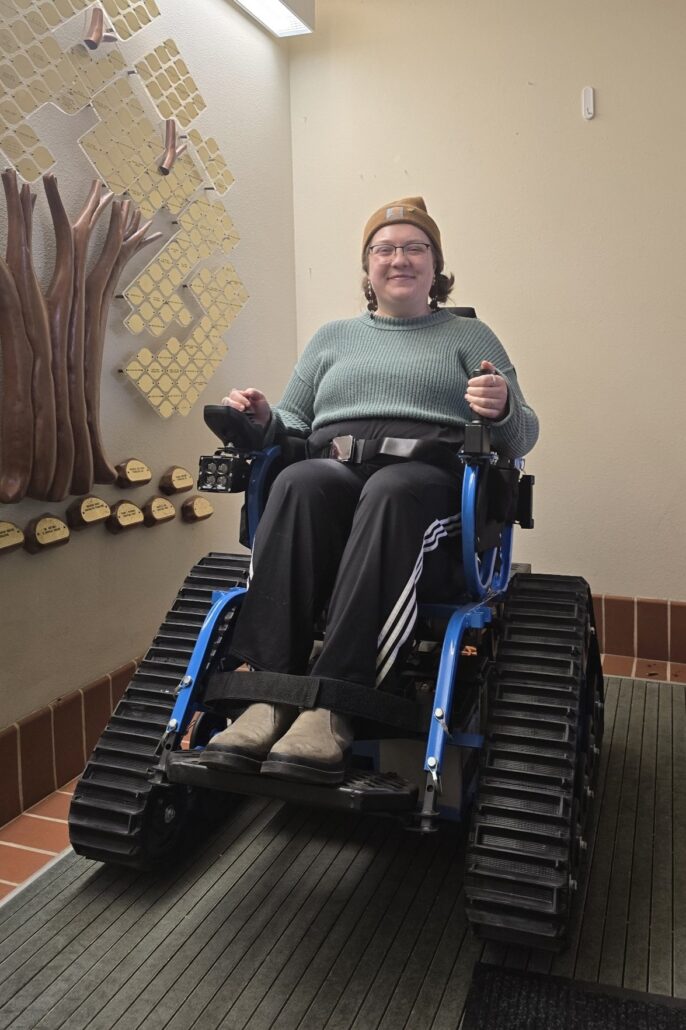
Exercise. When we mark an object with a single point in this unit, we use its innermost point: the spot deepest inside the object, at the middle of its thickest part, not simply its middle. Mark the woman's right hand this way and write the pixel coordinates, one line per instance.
(252, 402)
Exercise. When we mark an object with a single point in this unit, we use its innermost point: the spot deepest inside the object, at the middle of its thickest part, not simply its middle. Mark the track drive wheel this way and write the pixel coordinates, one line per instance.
(123, 810)
(543, 729)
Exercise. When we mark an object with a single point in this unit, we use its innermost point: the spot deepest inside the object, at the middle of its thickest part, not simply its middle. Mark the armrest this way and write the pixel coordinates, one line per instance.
(234, 427)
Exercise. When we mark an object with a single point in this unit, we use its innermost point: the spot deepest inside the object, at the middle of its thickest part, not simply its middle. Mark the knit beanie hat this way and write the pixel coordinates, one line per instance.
(411, 210)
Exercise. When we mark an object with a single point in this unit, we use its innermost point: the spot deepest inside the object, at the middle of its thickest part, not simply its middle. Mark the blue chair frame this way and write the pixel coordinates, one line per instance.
(486, 574)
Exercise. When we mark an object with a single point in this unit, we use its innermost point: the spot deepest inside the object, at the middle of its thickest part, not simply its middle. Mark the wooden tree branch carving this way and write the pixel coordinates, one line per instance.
(52, 345)
(58, 299)
(16, 409)
(20, 263)
(124, 239)
(82, 476)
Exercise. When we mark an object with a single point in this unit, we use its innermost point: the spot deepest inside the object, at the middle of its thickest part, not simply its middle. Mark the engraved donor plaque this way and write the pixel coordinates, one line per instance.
(133, 473)
(86, 511)
(195, 509)
(175, 480)
(45, 532)
(11, 537)
(124, 515)
(158, 509)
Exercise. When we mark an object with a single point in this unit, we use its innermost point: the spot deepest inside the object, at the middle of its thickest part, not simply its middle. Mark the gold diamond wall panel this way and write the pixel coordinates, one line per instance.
(25, 151)
(221, 293)
(214, 164)
(125, 148)
(170, 85)
(173, 379)
(128, 16)
(156, 303)
(35, 71)
(205, 228)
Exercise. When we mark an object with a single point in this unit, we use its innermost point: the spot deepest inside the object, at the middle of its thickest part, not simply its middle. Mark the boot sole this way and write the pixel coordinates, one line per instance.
(231, 760)
(287, 769)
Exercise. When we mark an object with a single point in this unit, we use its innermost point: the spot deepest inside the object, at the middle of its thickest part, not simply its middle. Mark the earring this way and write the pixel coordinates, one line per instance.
(372, 302)
(433, 303)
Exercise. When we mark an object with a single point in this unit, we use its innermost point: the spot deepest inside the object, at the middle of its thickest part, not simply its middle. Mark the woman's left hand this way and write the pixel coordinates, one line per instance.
(487, 394)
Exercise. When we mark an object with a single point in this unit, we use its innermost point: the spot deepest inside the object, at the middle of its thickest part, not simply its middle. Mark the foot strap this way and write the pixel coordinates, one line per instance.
(225, 688)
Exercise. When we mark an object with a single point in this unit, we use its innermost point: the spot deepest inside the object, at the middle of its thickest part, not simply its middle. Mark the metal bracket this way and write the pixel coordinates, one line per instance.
(429, 810)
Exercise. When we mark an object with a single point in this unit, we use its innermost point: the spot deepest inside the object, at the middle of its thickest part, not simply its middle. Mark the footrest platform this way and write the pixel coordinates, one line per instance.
(361, 791)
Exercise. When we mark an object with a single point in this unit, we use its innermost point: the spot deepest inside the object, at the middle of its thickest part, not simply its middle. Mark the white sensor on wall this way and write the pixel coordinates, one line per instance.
(588, 102)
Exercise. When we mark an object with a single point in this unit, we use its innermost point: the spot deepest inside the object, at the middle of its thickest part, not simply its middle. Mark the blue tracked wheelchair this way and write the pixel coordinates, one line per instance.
(506, 685)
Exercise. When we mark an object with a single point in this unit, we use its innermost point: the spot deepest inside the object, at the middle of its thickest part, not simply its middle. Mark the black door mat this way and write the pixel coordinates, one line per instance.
(509, 999)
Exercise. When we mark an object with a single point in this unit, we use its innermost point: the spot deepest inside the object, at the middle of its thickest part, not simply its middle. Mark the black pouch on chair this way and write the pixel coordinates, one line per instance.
(496, 503)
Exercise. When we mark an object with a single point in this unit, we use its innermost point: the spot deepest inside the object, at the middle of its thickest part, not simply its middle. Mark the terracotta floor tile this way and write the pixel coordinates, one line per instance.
(55, 805)
(677, 672)
(36, 833)
(17, 865)
(646, 669)
(5, 889)
(68, 788)
(617, 665)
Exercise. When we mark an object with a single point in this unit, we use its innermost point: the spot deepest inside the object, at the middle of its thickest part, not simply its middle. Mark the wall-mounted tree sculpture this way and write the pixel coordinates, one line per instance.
(52, 344)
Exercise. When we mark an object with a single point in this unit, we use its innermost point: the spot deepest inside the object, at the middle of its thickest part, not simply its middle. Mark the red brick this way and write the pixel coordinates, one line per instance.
(67, 714)
(651, 628)
(618, 630)
(10, 800)
(36, 750)
(677, 617)
(96, 710)
(120, 680)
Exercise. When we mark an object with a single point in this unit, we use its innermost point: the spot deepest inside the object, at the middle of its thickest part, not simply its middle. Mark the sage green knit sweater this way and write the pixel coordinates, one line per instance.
(414, 368)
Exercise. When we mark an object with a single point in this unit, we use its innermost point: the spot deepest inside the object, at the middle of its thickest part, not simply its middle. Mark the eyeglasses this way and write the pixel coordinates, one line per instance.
(386, 251)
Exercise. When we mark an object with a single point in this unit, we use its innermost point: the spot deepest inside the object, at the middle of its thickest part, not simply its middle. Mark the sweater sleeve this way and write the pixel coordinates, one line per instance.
(294, 413)
(515, 434)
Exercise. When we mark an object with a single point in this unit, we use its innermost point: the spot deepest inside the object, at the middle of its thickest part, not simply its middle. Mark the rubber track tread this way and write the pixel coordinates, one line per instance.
(522, 857)
(108, 811)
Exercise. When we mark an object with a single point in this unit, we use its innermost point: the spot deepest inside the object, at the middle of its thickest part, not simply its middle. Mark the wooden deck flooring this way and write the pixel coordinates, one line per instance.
(294, 919)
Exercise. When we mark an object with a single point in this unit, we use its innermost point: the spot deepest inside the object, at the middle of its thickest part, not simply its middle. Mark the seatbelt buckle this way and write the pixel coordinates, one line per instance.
(342, 448)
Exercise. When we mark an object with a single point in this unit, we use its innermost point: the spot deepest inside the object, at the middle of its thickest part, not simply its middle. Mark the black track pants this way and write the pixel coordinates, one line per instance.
(373, 540)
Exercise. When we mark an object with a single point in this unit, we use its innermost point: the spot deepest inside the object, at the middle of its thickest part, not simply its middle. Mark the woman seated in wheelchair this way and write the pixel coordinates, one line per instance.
(368, 528)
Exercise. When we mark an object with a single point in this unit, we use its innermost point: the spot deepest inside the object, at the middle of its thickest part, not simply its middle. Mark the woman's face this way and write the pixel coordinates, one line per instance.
(402, 281)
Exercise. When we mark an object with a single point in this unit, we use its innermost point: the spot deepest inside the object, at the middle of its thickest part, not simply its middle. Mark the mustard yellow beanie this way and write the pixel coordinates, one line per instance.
(411, 210)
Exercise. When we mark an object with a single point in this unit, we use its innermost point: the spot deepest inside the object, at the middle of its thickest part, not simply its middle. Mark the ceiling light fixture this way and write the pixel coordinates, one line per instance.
(294, 18)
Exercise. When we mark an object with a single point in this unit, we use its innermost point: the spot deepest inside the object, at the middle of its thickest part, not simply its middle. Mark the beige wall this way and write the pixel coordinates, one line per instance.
(68, 616)
(566, 235)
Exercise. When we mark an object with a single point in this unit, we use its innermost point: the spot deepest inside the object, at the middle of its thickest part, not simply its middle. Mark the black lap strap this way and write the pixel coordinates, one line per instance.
(225, 688)
(352, 451)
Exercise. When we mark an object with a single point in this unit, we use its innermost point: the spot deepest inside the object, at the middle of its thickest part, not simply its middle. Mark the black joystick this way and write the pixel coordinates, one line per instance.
(234, 427)
(477, 438)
